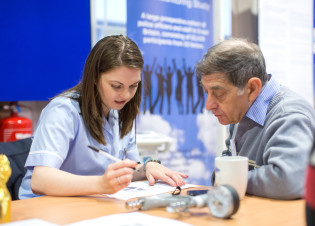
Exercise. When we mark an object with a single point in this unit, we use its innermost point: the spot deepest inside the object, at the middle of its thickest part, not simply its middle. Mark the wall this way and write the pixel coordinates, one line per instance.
(245, 19)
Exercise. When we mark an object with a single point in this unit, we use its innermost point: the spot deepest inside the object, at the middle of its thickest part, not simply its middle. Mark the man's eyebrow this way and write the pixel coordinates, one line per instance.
(216, 87)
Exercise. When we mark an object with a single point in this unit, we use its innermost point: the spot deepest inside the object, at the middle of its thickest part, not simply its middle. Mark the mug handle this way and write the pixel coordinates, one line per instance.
(213, 178)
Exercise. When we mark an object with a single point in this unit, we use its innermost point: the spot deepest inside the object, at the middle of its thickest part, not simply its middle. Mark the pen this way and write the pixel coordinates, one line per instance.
(106, 154)
(125, 153)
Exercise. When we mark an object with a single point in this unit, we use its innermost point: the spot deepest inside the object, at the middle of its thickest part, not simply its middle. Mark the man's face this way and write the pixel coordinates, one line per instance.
(226, 101)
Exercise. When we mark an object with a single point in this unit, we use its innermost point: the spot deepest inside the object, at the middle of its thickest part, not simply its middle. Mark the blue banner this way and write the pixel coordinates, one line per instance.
(173, 36)
(43, 45)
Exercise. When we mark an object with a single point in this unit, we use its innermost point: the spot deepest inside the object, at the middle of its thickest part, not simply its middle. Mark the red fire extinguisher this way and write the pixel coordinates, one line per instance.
(15, 127)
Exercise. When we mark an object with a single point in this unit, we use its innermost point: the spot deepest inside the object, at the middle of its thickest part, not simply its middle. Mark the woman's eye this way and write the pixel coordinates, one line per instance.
(116, 87)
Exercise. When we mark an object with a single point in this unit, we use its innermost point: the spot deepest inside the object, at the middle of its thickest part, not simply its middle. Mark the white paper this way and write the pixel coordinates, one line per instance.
(129, 219)
(30, 222)
(142, 188)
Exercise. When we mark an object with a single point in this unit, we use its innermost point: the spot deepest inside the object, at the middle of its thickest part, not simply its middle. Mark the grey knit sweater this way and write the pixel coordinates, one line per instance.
(280, 148)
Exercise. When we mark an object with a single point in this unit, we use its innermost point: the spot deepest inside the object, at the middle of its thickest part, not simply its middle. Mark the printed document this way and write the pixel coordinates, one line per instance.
(134, 218)
(142, 188)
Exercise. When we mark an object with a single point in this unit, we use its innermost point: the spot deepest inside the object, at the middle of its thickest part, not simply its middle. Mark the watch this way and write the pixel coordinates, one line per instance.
(150, 160)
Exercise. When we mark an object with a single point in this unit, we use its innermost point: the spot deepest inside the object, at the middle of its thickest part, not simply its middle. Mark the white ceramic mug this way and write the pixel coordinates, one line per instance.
(232, 170)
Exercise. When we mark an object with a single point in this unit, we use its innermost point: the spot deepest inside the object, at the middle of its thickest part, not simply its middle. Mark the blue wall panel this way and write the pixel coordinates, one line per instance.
(43, 47)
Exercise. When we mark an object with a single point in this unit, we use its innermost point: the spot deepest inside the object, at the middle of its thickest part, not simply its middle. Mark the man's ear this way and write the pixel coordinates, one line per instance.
(254, 88)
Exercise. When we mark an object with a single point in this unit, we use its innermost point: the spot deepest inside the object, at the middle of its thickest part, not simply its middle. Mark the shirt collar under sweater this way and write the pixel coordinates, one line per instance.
(257, 112)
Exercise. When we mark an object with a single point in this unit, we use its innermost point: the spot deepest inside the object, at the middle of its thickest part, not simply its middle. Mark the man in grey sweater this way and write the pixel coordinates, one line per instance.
(269, 123)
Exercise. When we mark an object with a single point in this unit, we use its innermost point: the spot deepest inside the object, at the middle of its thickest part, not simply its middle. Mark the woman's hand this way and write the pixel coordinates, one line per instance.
(117, 176)
(156, 171)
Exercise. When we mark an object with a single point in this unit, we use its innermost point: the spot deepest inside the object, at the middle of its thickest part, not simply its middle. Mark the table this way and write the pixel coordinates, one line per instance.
(64, 210)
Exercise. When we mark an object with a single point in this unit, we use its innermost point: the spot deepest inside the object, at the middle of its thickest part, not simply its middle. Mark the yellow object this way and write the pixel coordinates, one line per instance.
(5, 197)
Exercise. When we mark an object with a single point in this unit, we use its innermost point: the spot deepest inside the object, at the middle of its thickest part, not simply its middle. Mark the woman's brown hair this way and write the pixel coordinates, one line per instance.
(108, 53)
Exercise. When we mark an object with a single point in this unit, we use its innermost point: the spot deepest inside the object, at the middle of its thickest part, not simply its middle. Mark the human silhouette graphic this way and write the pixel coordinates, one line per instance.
(201, 97)
(179, 91)
(169, 74)
(160, 92)
(147, 86)
(190, 94)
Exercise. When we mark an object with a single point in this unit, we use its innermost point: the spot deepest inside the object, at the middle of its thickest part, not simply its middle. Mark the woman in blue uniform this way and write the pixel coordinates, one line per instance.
(100, 111)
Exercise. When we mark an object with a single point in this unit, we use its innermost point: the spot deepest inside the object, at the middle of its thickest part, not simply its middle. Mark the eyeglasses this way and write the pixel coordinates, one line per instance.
(177, 191)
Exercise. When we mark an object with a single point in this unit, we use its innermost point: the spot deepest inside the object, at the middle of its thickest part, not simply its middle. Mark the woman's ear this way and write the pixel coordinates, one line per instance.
(254, 88)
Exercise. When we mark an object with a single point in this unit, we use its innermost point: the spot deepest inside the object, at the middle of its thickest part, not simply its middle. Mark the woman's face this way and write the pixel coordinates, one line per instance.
(118, 86)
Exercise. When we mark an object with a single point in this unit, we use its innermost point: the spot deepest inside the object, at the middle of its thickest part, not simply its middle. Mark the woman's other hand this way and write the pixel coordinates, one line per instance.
(156, 171)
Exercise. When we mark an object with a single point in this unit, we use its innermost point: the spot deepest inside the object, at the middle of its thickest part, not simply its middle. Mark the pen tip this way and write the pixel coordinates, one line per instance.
(93, 148)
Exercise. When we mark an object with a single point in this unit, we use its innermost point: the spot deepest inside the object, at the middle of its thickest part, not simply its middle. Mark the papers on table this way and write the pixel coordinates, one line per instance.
(134, 218)
(142, 188)
(124, 219)
(30, 222)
